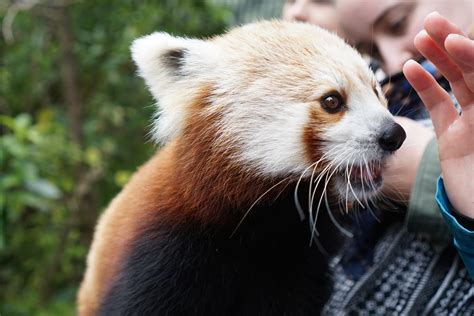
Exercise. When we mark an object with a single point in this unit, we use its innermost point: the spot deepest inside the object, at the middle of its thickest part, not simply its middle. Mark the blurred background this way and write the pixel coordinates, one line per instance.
(74, 120)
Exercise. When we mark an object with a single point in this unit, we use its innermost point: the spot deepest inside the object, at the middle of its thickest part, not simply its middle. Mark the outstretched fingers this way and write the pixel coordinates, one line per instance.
(434, 97)
(461, 49)
(455, 62)
(438, 27)
(444, 64)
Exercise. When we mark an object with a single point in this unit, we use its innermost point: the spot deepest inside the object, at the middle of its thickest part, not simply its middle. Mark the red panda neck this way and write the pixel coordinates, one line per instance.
(211, 184)
(207, 182)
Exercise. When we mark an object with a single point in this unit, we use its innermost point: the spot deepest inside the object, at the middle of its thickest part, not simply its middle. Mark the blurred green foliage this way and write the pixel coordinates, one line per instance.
(53, 185)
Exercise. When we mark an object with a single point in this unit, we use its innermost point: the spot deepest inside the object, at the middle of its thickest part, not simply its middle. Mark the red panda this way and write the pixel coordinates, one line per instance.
(209, 225)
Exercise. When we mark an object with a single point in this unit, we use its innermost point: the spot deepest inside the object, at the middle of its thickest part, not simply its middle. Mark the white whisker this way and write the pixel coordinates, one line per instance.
(350, 185)
(254, 203)
(314, 230)
(295, 195)
(334, 221)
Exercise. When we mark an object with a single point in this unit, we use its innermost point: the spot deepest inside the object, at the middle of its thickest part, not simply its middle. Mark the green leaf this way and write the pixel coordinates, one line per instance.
(9, 181)
(44, 188)
(3, 221)
(121, 177)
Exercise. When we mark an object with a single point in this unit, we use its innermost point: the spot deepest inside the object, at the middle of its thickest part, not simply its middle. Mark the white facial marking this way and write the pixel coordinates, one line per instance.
(269, 139)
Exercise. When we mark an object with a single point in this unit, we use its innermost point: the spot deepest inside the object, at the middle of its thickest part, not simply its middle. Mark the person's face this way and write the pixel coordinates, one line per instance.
(386, 29)
(318, 12)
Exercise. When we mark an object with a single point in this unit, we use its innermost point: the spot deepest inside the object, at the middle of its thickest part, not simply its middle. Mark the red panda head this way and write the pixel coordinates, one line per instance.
(284, 99)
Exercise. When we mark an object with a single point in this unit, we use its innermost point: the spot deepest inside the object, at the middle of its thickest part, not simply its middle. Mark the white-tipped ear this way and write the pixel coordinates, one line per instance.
(172, 68)
(158, 54)
(162, 56)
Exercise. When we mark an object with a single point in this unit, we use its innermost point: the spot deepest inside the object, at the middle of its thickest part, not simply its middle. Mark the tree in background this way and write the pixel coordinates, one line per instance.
(246, 11)
(73, 124)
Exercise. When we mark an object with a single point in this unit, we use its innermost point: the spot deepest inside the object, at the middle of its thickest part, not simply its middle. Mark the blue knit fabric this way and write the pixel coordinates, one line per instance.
(463, 238)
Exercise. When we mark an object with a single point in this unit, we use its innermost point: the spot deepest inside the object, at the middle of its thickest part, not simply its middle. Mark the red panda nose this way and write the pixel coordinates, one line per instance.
(392, 137)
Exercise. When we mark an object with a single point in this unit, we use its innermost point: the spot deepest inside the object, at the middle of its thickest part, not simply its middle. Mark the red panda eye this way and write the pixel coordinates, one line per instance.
(332, 103)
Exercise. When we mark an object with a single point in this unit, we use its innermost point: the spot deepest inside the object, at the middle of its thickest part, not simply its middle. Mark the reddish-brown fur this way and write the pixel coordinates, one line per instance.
(318, 120)
(188, 178)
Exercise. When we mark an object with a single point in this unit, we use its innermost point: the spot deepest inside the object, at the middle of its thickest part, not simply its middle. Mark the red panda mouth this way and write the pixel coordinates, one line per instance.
(360, 182)
(361, 179)
(370, 174)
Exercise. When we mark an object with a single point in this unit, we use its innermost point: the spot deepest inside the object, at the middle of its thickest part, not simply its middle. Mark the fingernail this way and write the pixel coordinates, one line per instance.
(407, 64)
(454, 36)
(434, 14)
(420, 33)
(419, 36)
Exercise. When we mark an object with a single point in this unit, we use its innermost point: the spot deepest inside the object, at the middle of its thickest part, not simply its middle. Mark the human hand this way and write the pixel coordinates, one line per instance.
(402, 166)
(453, 54)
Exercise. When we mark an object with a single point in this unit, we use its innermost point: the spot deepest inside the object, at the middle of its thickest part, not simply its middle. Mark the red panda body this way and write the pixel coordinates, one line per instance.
(160, 260)
(258, 124)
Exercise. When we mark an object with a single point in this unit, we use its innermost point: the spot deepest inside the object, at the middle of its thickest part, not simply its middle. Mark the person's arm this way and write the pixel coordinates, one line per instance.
(462, 232)
(403, 165)
(453, 54)
(410, 177)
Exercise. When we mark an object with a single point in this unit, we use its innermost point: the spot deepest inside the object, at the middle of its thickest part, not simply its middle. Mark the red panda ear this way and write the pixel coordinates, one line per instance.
(163, 60)
(172, 68)
(159, 54)
(174, 59)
